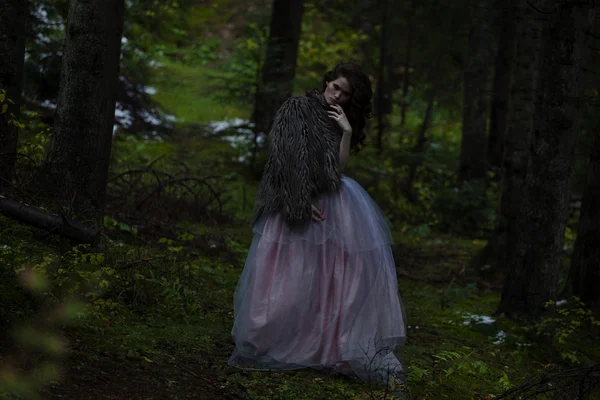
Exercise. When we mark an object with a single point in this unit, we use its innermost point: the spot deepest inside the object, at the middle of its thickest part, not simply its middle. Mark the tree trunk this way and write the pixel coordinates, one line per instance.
(13, 17)
(517, 136)
(473, 160)
(279, 69)
(383, 95)
(535, 242)
(407, 61)
(419, 148)
(584, 275)
(80, 150)
(501, 85)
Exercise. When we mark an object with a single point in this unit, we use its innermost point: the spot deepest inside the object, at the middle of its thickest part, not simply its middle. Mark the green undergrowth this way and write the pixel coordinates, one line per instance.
(171, 299)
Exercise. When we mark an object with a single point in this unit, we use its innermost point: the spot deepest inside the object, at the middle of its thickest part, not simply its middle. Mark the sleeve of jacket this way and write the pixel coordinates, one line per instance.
(290, 161)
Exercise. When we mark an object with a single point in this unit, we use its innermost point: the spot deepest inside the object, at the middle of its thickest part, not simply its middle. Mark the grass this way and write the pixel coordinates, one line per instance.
(186, 91)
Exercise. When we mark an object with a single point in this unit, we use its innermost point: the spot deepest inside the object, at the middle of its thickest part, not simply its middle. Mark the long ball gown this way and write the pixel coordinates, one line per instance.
(325, 297)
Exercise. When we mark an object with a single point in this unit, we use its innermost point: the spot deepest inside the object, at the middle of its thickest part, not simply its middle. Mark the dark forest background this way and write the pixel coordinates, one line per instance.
(132, 139)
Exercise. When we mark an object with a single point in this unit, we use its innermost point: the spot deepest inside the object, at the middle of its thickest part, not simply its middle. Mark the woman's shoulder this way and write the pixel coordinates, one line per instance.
(310, 99)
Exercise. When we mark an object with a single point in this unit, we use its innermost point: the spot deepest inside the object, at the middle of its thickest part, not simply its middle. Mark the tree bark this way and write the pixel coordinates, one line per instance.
(501, 84)
(13, 18)
(79, 155)
(584, 275)
(279, 69)
(535, 241)
(473, 160)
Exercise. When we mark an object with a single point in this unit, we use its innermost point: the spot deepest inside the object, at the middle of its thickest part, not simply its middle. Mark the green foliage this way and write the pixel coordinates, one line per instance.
(572, 320)
(202, 54)
(322, 45)
(467, 208)
(241, 72)
(455, 369)
(151, 22)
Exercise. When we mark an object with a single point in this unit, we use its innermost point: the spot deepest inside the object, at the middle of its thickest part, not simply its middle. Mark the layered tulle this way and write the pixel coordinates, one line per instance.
(324, 297)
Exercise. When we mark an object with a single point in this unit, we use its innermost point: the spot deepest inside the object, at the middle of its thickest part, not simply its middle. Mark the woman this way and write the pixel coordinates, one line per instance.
(319, 285)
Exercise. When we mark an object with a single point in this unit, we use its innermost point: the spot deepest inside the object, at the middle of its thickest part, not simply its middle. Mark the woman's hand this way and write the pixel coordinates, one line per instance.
(338, 115)
(317, 214)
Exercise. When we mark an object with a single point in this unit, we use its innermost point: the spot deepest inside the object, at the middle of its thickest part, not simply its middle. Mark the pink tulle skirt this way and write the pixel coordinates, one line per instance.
(325, 297)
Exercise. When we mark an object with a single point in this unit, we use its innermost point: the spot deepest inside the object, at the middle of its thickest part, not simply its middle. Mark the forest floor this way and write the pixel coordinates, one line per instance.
(456, 348)
(149, 358)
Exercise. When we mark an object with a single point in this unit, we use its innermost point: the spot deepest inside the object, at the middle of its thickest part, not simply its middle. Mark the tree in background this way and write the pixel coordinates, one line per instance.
(80, 149)
(279, 68)
(584, 275)
(501, 84)
(13, 17)
(517, 136)
(383, 90)
(480, 55)
(535, 240)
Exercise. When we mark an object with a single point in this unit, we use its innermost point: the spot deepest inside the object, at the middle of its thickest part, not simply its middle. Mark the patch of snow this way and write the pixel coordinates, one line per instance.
(170, 118)
(41, 38)
(41, 14)
(155, 64)
(236, 141)
(149, 118)
(477, 319)
(150, 90)
(218, 126)
(48, 104)
(500, 337)
(124, 116)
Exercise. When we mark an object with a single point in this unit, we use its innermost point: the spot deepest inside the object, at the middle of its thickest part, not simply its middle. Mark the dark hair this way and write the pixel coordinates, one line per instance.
(358, 108)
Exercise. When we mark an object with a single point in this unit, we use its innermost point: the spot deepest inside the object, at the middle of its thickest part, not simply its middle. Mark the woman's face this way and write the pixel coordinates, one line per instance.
(337, 91)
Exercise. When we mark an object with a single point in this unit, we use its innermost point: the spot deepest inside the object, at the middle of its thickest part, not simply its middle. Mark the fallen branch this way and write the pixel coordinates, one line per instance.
(58, 224)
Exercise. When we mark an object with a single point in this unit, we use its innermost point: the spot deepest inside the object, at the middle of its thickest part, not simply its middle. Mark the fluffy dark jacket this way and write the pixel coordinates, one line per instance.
(303, 159)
